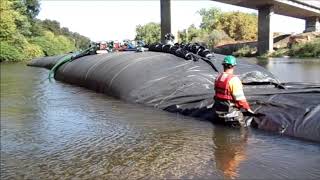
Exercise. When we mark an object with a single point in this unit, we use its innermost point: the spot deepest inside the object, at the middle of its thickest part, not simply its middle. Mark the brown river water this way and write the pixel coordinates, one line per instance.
(59, 131)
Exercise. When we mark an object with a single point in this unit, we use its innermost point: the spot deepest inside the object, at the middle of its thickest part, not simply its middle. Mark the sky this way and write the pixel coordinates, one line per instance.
(116, 20)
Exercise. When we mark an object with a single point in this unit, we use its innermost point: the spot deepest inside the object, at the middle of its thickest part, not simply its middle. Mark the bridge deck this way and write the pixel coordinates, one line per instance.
(293, 8)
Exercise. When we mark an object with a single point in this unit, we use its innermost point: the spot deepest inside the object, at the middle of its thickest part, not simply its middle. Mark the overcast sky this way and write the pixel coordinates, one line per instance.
(116, 20)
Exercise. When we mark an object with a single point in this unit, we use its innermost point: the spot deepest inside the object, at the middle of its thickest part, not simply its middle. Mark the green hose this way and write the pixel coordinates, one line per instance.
(69, 58)
(62, 61)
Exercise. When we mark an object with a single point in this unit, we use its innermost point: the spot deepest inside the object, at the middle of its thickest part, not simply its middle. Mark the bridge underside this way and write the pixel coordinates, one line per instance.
(307, 10)
(302, 9)
(293, 8)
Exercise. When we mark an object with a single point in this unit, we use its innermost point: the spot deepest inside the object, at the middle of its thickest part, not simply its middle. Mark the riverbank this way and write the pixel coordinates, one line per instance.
(309, 49)
(303, 45)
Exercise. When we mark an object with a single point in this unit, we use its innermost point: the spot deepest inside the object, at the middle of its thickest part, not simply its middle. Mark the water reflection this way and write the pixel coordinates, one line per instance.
(291, 69)
(230, 150)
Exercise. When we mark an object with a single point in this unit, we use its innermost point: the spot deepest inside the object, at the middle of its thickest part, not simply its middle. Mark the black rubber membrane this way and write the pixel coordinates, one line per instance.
(168, 82)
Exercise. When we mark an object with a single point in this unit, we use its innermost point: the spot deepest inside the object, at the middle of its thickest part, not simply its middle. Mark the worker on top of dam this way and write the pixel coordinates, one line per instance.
(229, 96)
(169, 39)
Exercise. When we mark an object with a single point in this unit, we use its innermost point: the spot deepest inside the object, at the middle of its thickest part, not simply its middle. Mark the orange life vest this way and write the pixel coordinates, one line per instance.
(221, 87)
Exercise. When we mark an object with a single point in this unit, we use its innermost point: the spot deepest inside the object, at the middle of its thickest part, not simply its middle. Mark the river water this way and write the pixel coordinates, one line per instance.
(59, 131)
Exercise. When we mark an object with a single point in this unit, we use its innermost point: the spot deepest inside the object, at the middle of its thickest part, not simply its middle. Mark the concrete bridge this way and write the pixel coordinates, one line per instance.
(308, 10)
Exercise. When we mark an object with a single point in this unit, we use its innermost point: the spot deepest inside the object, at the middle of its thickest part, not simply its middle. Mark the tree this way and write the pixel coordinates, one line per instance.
(51, 25)
(24, 37)
(7, 21)
(213, 38)
(81, 42)
(52, 44)
(8, 52)
(193, 32)
(210, 18)
(240, 26)
(237, 25)
(22, 21)
(33, 8)
(36, 28)
(149, 33)
(13, 20)
(182, 36)
(65, 31)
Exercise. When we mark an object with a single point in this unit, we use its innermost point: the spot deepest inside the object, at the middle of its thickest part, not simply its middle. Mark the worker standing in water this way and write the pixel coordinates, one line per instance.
(229, 96)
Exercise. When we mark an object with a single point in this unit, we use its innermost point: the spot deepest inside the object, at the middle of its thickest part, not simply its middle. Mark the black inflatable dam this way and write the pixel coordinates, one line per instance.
(168, 82)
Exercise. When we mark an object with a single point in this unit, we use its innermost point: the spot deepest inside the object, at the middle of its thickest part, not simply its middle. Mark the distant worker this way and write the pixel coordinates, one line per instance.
(110, 46)
(229, 97)
(140, 45)
(169, 39)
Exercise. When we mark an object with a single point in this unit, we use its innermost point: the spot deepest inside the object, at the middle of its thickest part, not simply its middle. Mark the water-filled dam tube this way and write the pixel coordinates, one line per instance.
(168, 82)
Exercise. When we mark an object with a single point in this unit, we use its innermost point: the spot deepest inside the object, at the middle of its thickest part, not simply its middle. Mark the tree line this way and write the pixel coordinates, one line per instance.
(24, 37)
(216, 27)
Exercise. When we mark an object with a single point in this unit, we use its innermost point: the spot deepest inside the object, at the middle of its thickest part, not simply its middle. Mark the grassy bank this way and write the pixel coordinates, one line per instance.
(306, 50)
(246, 51)
(310, 49)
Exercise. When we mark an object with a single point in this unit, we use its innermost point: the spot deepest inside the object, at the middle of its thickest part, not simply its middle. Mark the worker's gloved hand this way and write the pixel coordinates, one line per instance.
(250, 111)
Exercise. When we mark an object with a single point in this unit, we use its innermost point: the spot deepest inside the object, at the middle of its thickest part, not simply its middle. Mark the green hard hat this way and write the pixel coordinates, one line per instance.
(230, 60)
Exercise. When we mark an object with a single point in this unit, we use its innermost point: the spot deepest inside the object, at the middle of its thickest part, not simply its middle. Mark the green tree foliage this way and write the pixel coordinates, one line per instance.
(193, 32)
(33, 8)
(8, 27)
(24, 37)
(237, 25)
(209, 38)
(212, 38)
(51, 25)
(52, 44)
(219, 27)
(29, 8)
(81, 42)
(36, 28)
(8, 52)
(21, 19)
(32, 50)
(149, 33)
(210, 18)
(309, 49)
(182, 36)
(19, 49)
(190, 34)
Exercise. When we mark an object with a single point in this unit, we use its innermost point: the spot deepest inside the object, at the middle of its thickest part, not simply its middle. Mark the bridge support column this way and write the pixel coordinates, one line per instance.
(165, 18)
(312, 24)
(265, 34)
